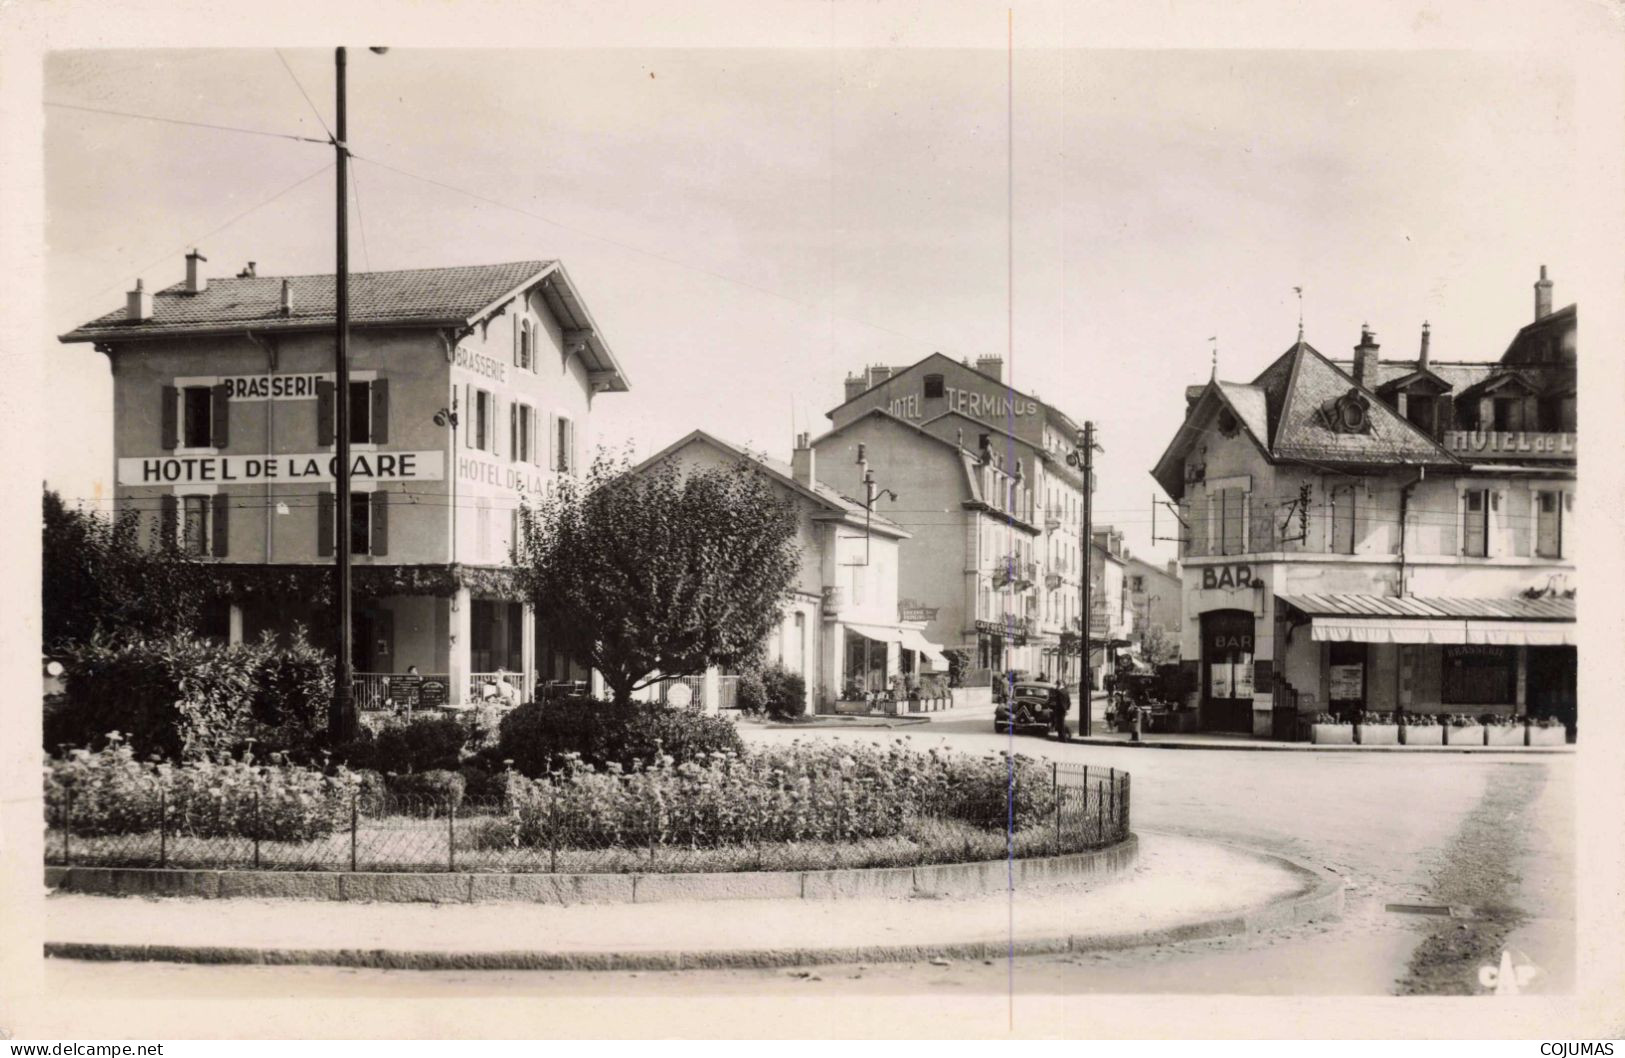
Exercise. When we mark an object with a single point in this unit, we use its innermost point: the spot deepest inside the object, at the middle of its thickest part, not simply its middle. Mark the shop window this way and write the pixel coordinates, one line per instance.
(1549, 524)
(1478, 675)
(933, 386)
(1476, 523)
(1346, 665)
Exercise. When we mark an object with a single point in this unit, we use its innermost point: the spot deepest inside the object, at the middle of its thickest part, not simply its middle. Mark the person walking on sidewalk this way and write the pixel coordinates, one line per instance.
(1060, 704)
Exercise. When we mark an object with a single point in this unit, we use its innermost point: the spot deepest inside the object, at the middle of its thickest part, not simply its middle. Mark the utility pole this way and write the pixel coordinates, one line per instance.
(341, 720)
(1084, 458)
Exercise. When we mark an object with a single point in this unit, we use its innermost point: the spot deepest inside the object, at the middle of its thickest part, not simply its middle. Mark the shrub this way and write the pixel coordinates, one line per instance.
(794, 793)
(114, 793)
(752, 693)
(785, 691)
(429, 789)
(538, 738)
(484, 785)
(958, 662)
(294, 687)
(177, 696)
(427, 744)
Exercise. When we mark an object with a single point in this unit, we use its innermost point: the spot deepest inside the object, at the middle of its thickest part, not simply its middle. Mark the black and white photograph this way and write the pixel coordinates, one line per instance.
(814, 520)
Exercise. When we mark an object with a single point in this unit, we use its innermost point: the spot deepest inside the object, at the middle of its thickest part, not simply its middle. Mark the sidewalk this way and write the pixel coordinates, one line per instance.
(1101, 737)
(1179, 887)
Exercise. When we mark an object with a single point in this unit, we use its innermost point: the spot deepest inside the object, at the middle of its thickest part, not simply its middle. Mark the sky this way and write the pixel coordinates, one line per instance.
(748, 226)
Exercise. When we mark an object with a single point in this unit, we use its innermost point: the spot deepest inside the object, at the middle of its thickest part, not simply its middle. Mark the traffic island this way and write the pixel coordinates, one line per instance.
(1178, 888)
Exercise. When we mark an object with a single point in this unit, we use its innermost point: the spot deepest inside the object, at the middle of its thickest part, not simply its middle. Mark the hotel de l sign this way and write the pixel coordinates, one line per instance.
(1382, 534)
(470, 388)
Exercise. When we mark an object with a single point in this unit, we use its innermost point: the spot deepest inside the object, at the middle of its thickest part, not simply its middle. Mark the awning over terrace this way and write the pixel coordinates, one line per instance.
(1540, 622)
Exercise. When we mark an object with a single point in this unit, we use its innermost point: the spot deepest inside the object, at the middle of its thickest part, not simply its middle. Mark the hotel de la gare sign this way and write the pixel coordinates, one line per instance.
(1500, 444)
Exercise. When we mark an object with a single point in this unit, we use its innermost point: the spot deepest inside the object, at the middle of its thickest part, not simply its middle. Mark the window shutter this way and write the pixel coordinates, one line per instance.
(493, 428)
(219, 525)
(513, 431)
(380, 411)
(168, 413)
(324, 413)
(470, 412)
(169, 519)
(575, 449)
(219, 436)
(552, 460)
(380, 522)
(518, 338)
(324, 524)
(538, 440)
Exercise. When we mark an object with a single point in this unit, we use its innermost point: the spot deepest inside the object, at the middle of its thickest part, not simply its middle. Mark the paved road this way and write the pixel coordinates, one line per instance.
(1488, 835)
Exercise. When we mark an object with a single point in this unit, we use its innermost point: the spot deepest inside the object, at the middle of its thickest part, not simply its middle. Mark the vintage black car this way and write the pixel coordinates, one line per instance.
(1028, 712)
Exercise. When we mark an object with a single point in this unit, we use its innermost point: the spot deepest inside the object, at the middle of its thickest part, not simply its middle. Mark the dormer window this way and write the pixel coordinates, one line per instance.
(1350, 413)
(1228, 425)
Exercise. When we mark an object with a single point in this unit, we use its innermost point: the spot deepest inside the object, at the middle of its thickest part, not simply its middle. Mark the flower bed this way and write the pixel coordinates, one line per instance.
(788, 808)
(1548, 732)
(1460, 730)
(1506, 732)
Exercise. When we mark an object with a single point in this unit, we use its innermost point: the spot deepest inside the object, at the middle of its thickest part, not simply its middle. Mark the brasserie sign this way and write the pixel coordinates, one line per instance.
(315, 467)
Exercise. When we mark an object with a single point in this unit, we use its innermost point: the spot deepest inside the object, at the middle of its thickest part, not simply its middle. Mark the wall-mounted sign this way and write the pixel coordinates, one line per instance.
(990, 405)
(432, 693)
(1346, 683)
(273, 387)
(905, 407)
(312, 468)
(1499, 444)
(1239, 575)
(480, 365)
(519, 477)
(917, 613)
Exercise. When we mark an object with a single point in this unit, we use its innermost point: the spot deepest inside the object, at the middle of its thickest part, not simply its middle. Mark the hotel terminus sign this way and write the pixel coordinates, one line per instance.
(1504, 444)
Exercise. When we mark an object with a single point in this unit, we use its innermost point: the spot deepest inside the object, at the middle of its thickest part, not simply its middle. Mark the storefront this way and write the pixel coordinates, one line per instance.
(1227, 671)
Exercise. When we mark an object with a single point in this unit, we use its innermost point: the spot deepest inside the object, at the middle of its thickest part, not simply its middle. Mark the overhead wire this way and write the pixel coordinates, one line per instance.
(183, 121)
(297, 84)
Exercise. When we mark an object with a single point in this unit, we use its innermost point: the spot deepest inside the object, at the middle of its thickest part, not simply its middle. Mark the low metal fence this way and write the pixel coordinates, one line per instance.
(818, 822)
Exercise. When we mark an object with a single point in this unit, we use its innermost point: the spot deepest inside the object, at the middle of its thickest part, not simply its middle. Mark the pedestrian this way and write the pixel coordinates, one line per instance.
(1060, 704)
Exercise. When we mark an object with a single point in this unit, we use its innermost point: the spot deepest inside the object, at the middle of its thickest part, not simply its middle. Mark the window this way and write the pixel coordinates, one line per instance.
(522, 438)
(1342, 542)
(564, 446)
(1549, 524)
(1478, 675)
(1419, 409)
(197, 426)
(360, 523)
(195, 524)
(1476, 518)
(1232, 520)
(524, 345)
(933, 386)
(368, 529)
(367, 409)
(1508, 413)
(484, 423)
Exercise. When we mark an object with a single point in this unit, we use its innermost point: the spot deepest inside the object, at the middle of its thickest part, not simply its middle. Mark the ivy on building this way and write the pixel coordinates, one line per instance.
(245, 583)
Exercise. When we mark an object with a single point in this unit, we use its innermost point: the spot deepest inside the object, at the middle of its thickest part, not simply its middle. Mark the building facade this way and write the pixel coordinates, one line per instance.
(1111, 620)
(1382, 535)
(1155, 595)
(841, 631)
(470, 388)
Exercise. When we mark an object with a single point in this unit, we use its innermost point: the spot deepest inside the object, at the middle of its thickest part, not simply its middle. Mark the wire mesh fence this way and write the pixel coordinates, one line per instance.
(562, 827)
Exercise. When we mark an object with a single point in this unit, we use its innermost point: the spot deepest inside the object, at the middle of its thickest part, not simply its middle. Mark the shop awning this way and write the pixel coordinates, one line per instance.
(1339, 618)
(879, 633)
(914, 641)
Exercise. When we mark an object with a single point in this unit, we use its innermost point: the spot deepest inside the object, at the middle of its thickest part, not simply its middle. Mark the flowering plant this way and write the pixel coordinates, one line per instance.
(1330, 718)
(1421, 720)
(1377, 718)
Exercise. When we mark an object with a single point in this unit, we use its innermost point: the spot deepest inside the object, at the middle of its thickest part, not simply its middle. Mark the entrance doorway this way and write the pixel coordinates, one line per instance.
(1550, 690)
(1227, 671)
(1346, 669)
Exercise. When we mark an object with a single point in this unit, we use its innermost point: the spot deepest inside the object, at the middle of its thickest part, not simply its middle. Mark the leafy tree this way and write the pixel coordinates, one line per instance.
(1159, 646)
(98, 578)
(660, 572)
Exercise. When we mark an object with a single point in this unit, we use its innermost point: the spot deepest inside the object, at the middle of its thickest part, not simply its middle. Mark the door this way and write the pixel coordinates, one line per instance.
(1345, 693)
(1227, 671)
(1550, 687)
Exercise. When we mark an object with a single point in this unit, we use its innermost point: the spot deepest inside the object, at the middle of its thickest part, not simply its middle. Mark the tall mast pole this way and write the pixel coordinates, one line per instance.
(1086, 683)
(342, 719)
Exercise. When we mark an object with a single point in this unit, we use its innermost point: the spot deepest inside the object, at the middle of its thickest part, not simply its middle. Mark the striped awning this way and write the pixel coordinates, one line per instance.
(1518, 621)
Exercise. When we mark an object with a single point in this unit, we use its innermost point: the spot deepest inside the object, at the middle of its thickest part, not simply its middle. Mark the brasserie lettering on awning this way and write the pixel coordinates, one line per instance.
(314, 467)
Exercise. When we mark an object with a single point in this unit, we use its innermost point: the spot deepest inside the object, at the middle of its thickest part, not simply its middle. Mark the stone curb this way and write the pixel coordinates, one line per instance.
(1305, 747)
(941, 879)
(1321, 897)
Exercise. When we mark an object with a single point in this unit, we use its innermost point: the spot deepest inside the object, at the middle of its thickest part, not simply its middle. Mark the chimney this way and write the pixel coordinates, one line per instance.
(1543, 296)
(1422, 357)
(878, 373)
(196, 283)
(287, 298)
(1365, 358)
(248, 272)
(855, 384)
(991, 365)
(138, 303)
(802, 466)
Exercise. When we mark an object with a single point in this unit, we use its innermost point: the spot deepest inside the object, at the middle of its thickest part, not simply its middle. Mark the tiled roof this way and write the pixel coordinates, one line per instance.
(418, 295)
(1250, 404)
(1516, 608)
(1303, 434)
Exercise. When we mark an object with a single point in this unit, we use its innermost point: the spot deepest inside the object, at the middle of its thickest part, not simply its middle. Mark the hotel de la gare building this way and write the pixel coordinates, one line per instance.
(470, 387)
(1382, 534)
